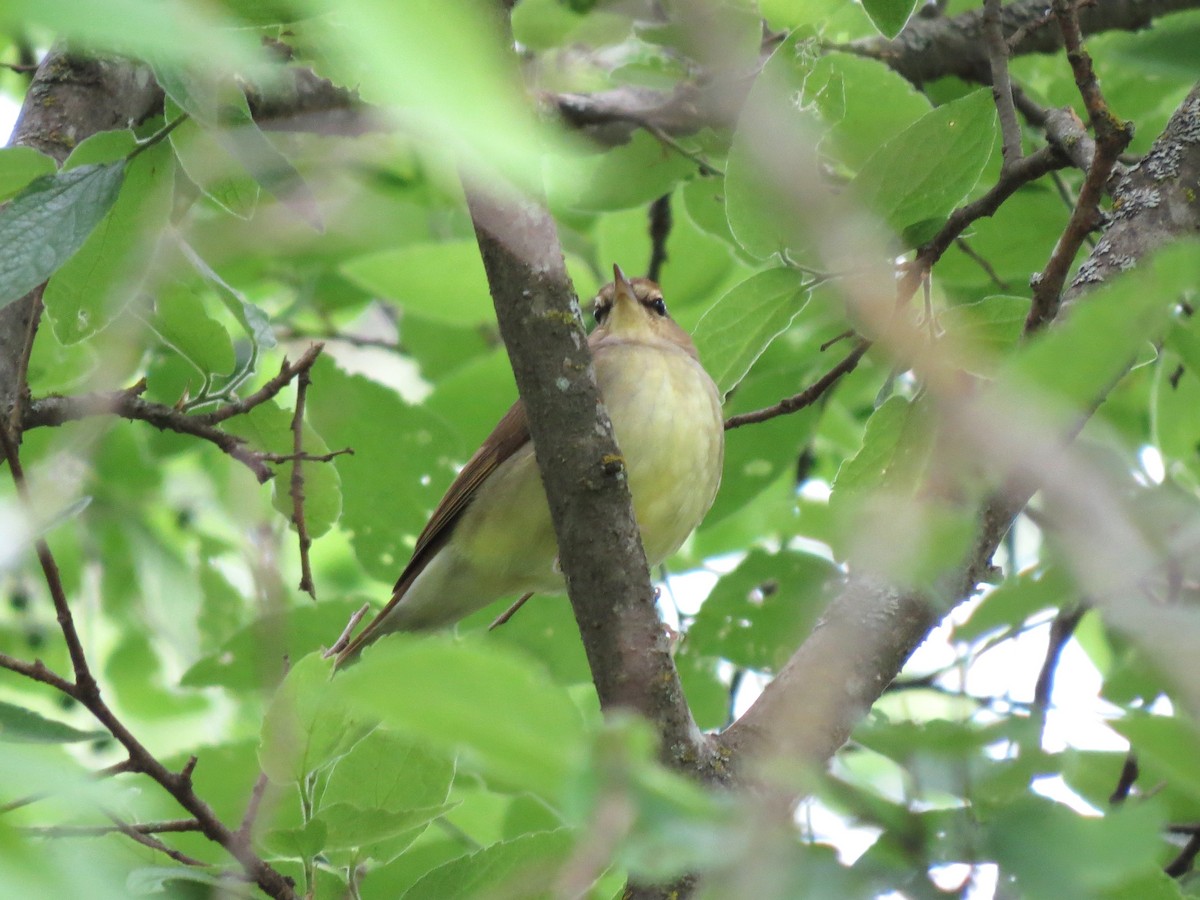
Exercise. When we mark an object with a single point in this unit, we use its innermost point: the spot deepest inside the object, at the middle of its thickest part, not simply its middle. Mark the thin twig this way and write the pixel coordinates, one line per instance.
(1182, 864)
(660, 230)
(808, 396)
(170, 826)
(287, 372)
(1112, 137)
(1129, 775)
(129, 404)
(1027, 169)
(84, 683)
(343, 640)
(510, 612)
(970, 253)
(1061, 629)
(297, 485)
(341, 337)
(253, 805)
(838, 338)
(705, 167)
(86, 691)
(149, 840)
(304, 457)
(998, 51)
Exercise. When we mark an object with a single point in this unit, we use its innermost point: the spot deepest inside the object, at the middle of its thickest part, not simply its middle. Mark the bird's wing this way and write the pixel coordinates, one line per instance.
(510, 435)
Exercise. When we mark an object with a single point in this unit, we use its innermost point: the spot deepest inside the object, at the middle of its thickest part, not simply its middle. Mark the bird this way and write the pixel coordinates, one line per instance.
(491, 534)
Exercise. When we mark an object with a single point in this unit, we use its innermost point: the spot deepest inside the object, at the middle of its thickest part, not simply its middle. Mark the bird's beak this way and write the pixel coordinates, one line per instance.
(624, 300)
(622, 283)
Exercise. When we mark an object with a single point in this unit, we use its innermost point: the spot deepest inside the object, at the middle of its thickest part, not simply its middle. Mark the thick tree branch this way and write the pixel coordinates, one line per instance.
(600, 549)
(928, 49)
(1154, 203)
(70, 99)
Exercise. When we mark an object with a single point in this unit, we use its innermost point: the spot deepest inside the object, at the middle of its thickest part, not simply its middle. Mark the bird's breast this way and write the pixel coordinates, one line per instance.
(666, 413)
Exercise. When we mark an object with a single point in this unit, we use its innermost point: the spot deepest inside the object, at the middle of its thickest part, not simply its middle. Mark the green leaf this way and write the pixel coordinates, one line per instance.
(1103, 334)
(708, 696)
(499, 708)
(764, 219)
(455, 82)
(210, 167)
(251, 317)
(47, 222)
(1170, 743)
(140, 29)
(866, 469)
(885, 522)
(846, 106)
(151, 880)
(348, 826)
(228, 130)
(758, 614)
(269, 427)
(527, 864)
(304, 842)
(735, 330)
(382, 503)
(1046, 845)
(889, 16)
(307, 725)
(254, 656)
(631, 175)
(182, 323)
(246, 142)
(443, 281)
(389, 771)
(24, 726)
(1016, 599)
(865, 104)
(941, 156)
(981, 333)
(19, 166)
(107, 272)
(395, 785)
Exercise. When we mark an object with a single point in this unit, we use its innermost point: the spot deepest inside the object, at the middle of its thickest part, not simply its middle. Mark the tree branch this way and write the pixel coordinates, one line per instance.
(86, 691)
(928, 49)
(599, 546)
(808, 396)
(69, 99)
(870, 628)
(128, 404)
(1155, 203)
(1112, 137)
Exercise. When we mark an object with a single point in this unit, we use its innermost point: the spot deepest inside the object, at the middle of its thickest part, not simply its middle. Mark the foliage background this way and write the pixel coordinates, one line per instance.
(219, 248)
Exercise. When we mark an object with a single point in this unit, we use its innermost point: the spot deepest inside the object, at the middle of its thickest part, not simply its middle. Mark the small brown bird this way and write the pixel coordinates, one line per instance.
(491, 535)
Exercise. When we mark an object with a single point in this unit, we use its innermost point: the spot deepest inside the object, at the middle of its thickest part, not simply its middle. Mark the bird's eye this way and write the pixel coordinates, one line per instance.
(659, 306)
(600, 312)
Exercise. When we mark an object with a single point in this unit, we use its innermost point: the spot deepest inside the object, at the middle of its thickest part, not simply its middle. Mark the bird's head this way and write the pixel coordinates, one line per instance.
(633, 309)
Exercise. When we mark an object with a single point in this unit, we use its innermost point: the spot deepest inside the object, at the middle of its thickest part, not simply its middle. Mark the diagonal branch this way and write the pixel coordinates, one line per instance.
(870, 628)
(128, 404)
(86, 691)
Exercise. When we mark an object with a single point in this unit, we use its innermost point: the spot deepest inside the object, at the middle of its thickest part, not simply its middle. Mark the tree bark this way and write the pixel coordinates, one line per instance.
(70, 99)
